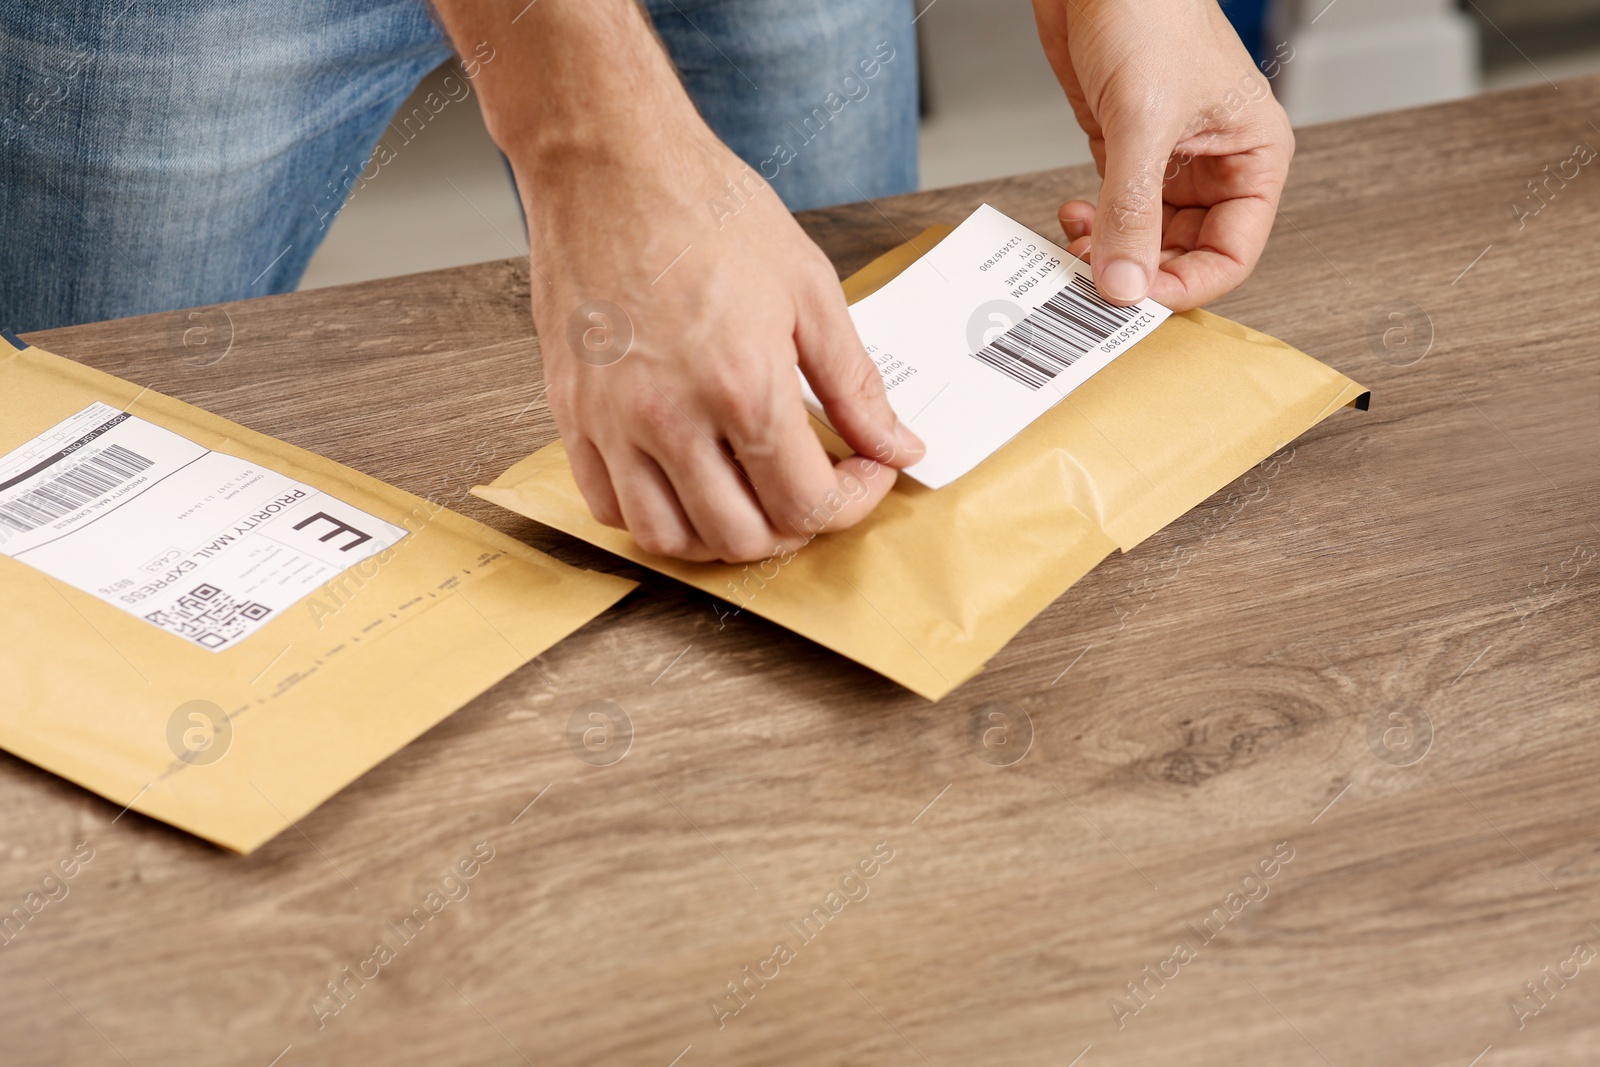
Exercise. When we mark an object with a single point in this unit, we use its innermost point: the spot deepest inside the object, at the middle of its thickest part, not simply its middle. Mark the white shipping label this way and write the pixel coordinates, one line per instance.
(985, 333)
(202, 544)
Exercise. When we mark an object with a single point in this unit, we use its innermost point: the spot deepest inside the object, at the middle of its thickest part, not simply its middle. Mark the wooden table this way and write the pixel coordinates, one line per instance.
(1384, 665)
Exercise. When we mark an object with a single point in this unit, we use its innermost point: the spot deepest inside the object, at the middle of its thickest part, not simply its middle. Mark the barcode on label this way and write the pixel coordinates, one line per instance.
(71, 489)
(208, 616)
(1055, 334)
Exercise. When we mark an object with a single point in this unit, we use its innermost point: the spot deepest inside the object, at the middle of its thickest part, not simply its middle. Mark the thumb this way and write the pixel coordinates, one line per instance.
(1127, 222)
(847, 383)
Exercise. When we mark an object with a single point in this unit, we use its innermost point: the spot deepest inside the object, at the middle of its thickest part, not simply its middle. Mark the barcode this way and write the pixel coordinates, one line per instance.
(1055, 334)
(70, 490)
(208, 616)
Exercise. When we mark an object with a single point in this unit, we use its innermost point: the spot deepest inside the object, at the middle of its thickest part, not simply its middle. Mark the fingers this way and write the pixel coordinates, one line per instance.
(1083, 250)
(801, 490)
(1221, 242)
(1077, 220)
(1205, 251)
(650, 507)
(863, 482)
(1222, 245)
(848, 384)
(1127, 220)
(594, 481)
(693, 501)
(722, 506)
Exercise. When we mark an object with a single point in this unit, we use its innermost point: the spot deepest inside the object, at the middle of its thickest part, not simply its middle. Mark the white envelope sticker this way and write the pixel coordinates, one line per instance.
(205, 545)
(985, 333)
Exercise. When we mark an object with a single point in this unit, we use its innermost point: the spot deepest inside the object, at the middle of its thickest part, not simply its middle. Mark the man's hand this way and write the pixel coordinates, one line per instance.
(670, 328)
(1191, 146)
(696, 440)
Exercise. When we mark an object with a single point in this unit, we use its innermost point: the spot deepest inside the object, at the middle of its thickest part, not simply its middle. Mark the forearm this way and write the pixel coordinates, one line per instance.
(569, 77)
(586, 105)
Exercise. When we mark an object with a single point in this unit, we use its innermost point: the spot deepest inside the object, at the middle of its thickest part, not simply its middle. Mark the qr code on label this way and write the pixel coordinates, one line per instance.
(209, 617)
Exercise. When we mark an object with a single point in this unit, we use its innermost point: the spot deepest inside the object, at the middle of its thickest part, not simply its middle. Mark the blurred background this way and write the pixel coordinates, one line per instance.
(992, 107)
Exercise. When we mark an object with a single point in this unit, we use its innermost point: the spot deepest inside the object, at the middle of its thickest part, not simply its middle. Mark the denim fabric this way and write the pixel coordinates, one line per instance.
(819, 95)
(164, 155)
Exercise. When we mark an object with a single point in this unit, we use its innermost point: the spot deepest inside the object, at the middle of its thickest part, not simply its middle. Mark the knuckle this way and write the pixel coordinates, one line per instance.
(866, 382)
(1133, 208)
(660, 541)
(743, 546)
(736, 407)
(657, 422)
(857, 383)
(756, 437)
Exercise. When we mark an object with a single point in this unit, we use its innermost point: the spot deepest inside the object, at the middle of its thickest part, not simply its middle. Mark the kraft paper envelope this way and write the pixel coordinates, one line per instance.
(934, 582)
(183, 719)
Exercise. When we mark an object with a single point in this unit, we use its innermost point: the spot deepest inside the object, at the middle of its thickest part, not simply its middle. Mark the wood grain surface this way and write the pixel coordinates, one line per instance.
(1376, 656)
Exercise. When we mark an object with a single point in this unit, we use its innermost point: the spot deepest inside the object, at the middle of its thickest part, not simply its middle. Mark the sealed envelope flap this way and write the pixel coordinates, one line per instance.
(221, 630)
(934, 582)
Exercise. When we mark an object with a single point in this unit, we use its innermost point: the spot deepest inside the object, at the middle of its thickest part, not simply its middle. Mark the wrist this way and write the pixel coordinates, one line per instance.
(616, 198)
(643, 172)
(553, 150)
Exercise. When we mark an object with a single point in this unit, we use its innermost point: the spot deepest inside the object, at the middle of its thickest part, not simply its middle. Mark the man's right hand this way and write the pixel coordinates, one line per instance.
(671, 331)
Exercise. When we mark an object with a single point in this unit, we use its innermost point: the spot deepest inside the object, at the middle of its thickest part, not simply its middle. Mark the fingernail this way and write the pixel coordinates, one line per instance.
(906, 441)
(1124, 280)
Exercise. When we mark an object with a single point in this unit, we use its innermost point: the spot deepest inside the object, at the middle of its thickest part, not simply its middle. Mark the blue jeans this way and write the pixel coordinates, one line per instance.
(161, 154)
